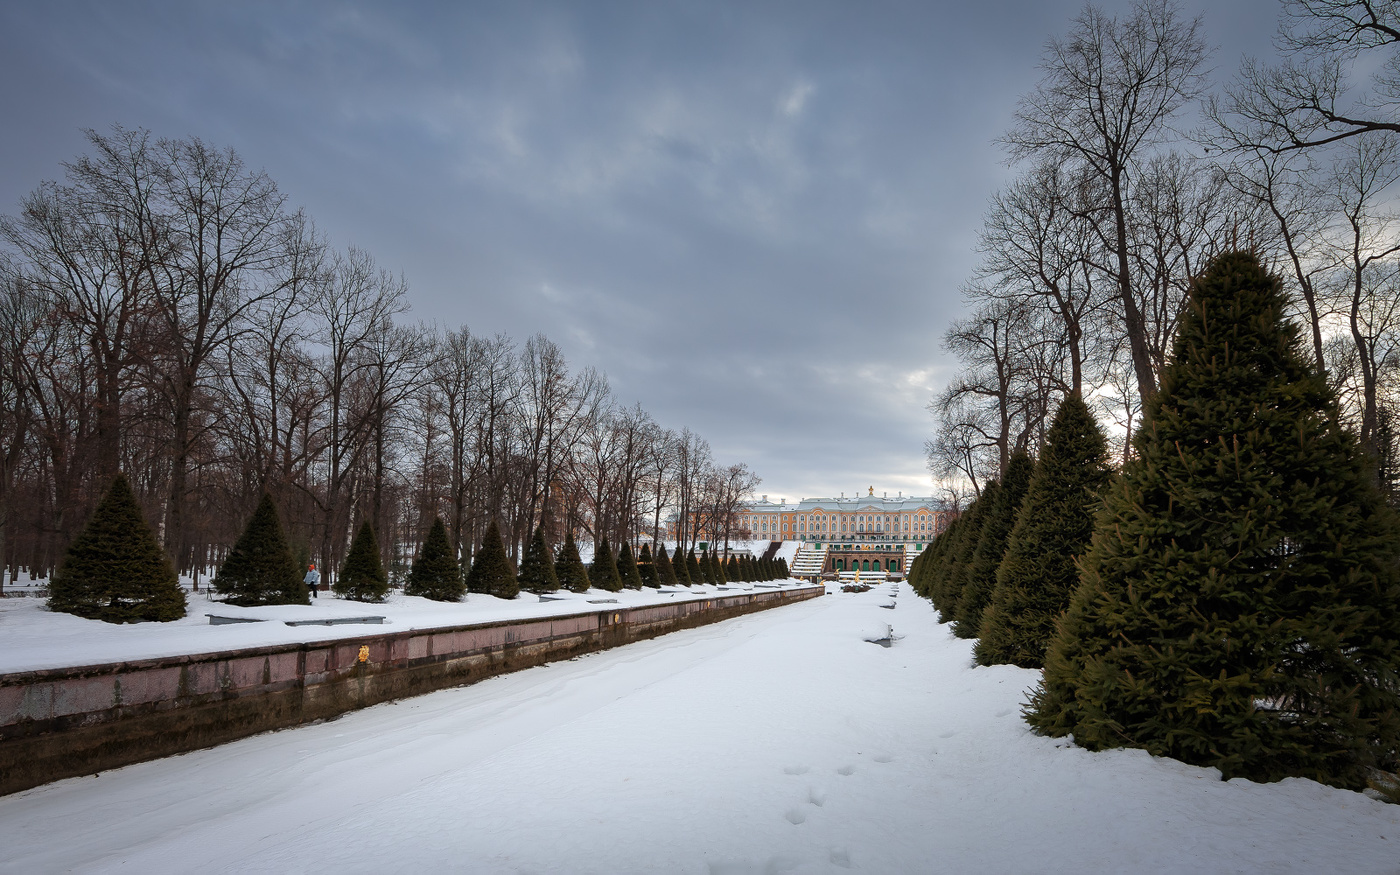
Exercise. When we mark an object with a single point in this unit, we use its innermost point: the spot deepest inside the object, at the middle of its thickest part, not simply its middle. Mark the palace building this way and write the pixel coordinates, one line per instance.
(858, 534)
(866, 519)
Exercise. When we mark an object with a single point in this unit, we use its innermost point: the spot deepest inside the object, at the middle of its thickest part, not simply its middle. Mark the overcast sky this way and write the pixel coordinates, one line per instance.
(754, 217)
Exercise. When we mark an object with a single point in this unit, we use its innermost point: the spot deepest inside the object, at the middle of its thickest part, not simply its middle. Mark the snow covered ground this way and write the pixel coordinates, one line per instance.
(782, 741)
(32, 637)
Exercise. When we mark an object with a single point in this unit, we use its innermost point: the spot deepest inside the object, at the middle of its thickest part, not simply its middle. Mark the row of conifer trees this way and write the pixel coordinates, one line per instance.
(1231, 597)
(116, 570)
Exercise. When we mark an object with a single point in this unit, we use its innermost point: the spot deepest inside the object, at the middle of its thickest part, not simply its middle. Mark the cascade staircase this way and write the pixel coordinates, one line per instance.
(809, 562)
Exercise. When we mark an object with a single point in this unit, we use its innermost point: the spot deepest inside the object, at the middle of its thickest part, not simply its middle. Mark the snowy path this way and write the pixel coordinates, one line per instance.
(776, 742)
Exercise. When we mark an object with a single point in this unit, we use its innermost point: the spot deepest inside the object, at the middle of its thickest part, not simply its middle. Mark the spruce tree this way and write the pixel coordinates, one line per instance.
(665, 571)
(933, 567)
(717, 568)
(783, 573)
(260, 570)
(537, 573)
(692, 568)
(114, 570)
(362, 577)
(627, 570)
(981, 575)
(569, 569)
(604, 572)
(435, 573)
(492, 571)
(1239, 605)
(960, 553)
(680, 566)
(646, 565)
(1038, 574)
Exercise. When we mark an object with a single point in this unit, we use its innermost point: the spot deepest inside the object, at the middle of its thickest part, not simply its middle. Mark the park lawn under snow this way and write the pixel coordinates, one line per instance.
(781, 741)
(33, 638)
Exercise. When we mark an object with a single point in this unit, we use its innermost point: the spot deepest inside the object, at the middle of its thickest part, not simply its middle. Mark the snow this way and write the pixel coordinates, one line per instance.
(32, 637)
(776, 742)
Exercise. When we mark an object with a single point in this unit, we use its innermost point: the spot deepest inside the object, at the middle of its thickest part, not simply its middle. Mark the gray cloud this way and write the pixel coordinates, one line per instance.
(753, 217)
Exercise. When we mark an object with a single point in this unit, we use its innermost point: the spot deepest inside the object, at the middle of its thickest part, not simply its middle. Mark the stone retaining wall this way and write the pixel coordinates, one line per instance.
(59, 723)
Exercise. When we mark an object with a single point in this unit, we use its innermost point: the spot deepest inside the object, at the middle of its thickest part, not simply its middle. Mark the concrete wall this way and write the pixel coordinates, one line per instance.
(75, 721)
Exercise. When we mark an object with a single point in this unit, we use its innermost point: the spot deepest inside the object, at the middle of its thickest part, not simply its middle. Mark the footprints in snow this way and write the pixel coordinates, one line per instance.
(816, 796)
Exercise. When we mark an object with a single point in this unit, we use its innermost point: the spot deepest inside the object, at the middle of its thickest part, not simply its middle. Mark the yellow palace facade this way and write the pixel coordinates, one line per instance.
(867, 519)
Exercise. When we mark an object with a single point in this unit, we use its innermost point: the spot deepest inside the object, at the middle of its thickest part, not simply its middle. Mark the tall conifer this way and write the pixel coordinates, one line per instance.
(604, 571)
(1239, 606)
(435, 573)
(991, 546)
(646, 566)
(492, 571)
(960, 553)
(1038, 574)
(260, 570)
(692, 568)
(665, 571)
(627, 570)
(362, 577)
(537, 573)
(570, 570)
(114, 570)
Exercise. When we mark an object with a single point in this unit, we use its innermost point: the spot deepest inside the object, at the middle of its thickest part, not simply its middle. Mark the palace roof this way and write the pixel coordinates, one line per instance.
(853, 504)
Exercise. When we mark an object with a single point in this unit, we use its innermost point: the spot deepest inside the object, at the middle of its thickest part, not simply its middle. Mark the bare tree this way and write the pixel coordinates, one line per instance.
(1310, 100)
(1368, 277)
(1110, 89)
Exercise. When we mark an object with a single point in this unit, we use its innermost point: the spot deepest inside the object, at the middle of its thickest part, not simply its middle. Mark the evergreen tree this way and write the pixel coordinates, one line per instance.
(717, 568)
(991, 546)
(537, 565)
(492, 571)
(604, 571)
(783, 573)
(114, 570)
(570, 570)
(260, 570)
(362, 577)
(1387, 453)
(646, 565)
(435, 573)
(1038, 574)
(692, 568)
(1239, 605)
(701, 572)
(665, 572)
(960, 553)
(934, 568)
(627, 570)
(680, 566)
